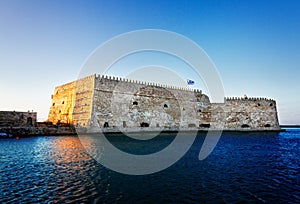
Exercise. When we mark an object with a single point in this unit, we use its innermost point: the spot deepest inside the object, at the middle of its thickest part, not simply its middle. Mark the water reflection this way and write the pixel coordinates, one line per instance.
(72, 167)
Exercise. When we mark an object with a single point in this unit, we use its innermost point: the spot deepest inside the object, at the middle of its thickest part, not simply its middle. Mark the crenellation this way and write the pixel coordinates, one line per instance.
(248, 99)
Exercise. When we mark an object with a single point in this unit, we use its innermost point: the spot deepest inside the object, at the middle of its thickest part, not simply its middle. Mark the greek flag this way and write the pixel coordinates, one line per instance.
(190, 82)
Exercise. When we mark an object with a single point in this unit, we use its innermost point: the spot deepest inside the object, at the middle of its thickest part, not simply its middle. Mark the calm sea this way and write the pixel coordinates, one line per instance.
(243, 168)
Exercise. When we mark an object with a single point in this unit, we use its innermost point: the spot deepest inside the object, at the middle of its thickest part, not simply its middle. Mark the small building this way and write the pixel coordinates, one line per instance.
(18, 119)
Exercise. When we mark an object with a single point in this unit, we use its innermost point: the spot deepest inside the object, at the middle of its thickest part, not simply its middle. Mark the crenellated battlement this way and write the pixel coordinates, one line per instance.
(248, 99)
(126, 80)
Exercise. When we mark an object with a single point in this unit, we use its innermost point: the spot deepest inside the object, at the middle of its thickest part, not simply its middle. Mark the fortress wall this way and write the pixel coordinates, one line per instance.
(240, 114)
(124, 103)
(66, 107)
(62, 104)
(83, 100)
(17, 119)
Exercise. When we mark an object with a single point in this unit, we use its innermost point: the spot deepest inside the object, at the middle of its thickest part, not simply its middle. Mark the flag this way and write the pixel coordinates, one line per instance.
(190, 82)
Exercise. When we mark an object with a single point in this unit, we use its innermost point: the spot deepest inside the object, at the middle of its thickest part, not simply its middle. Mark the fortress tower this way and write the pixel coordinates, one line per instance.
(97, 102)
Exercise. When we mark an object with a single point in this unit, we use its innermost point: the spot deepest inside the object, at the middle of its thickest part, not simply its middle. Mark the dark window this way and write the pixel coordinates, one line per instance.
(258, 104)
(144, 124)
(106, 125)
(271, 104)
(199, 111)
(267, 125)
(124, 123)
(165, 106)
(245, 126)
(53, 104)
(157, 124)
(63, 102)
(135, 103)
(204, 125)
(29, 121)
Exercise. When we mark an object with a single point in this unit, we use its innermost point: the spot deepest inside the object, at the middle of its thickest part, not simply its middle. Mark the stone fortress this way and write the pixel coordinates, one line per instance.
(103, 103)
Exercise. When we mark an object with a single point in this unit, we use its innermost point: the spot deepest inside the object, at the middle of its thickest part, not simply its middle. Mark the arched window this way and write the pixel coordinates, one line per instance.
(106, 125)
(29, 121)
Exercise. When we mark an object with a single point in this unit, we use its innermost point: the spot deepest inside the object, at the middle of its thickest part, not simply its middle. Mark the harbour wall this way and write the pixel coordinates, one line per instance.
(31, 131)
(17, 119)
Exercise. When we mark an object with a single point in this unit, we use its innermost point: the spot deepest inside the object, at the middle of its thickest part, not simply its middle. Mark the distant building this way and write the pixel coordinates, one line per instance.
(17, 119)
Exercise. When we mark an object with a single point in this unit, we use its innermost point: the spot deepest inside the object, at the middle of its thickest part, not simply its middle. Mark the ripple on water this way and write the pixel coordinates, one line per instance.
(243, 168)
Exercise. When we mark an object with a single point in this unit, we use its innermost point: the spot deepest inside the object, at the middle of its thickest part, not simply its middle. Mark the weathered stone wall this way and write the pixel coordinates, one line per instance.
(17, 119)
(83, 101)
(61, 108)
(120, 103)
(115, 103)
(245, 113)
(71, 108)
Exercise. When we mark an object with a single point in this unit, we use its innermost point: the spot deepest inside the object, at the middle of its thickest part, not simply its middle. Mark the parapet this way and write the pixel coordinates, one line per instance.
(117, 79)
(248, 99)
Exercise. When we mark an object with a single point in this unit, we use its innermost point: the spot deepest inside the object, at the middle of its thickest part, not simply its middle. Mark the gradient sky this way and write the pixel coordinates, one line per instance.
(255, 45)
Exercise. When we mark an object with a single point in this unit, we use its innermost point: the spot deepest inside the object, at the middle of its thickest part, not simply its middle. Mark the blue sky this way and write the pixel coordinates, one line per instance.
(255, 45)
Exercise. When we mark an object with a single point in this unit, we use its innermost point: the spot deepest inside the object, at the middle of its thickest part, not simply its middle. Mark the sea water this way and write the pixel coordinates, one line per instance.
(244, 167)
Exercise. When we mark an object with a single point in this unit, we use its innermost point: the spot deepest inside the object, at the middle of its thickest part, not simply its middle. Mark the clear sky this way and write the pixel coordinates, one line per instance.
(255, 45)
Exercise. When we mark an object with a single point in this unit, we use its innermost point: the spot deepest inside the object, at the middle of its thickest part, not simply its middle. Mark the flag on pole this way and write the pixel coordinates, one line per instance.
(190, 82)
